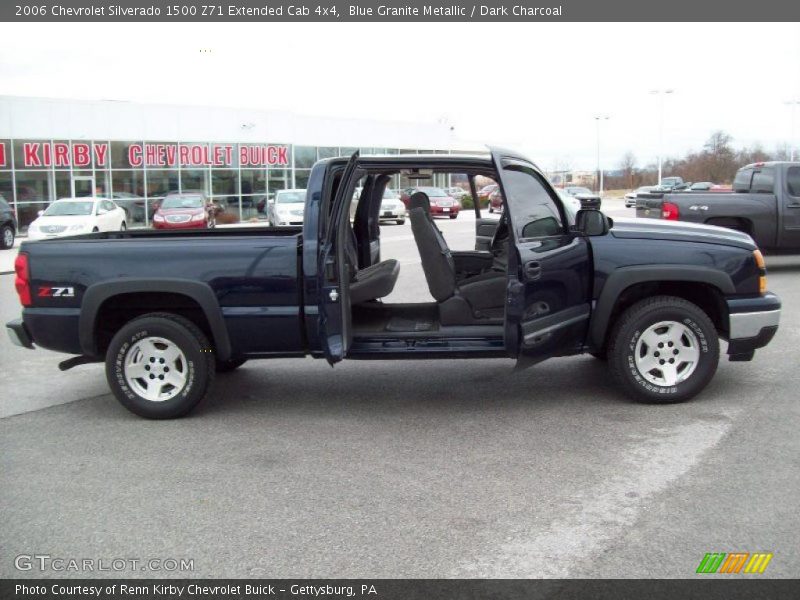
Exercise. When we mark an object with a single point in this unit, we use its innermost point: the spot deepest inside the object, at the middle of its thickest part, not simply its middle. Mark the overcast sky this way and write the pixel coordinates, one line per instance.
(534, 87)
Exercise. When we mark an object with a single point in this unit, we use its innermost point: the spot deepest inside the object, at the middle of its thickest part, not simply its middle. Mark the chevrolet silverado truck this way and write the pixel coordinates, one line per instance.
(166, 310)
(765, 204)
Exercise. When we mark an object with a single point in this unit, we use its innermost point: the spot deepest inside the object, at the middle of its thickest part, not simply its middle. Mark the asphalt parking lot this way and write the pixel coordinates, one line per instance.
(407, 469)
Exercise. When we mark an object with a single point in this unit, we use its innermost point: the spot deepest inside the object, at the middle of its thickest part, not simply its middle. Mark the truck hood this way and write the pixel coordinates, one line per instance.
(680, 231)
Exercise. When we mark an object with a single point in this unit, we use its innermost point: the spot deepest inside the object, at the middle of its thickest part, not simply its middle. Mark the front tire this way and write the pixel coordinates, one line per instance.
(663, 349)
(401, 221)
(123, 226)
(160, 366)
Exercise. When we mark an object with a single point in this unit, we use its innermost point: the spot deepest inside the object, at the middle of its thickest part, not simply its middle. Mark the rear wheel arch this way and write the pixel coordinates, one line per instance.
(699, 285)
(108, 306)
(738, 223)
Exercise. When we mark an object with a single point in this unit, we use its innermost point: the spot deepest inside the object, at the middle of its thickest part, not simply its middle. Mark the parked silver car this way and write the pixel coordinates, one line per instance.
(287, 208)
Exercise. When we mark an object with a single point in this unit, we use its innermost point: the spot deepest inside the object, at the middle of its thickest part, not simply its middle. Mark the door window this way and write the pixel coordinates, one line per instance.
(533, 212)
(793, 181)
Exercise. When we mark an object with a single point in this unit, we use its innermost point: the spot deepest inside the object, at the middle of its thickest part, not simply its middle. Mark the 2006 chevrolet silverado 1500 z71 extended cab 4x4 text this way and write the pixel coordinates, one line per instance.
(166, 310)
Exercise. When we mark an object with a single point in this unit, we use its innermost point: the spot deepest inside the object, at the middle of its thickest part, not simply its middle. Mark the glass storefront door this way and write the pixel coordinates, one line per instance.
(82, 185)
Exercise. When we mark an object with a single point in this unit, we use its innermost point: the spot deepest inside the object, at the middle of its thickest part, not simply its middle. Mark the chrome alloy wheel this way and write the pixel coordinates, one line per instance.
(667, 353)
(156, 369)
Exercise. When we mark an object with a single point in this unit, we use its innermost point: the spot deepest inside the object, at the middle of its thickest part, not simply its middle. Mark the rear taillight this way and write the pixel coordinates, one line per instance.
(23, 279)
(669, 211)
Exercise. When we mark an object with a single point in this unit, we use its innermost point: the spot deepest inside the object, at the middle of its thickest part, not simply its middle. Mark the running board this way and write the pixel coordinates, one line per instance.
(380, 347)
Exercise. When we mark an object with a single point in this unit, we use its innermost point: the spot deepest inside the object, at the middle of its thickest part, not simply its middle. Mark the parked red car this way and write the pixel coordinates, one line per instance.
(442, 204)
(187, 210)
(486, 191)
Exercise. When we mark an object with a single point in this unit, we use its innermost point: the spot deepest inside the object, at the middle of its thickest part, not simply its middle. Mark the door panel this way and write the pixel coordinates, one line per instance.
(548, 302)
(334, 303)
(484, 233)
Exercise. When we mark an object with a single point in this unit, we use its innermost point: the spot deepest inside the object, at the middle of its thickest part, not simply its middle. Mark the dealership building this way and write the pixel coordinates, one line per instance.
(137, 153)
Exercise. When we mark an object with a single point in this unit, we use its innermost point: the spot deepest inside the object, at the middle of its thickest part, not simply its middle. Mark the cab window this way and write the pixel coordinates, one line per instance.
(763, 181)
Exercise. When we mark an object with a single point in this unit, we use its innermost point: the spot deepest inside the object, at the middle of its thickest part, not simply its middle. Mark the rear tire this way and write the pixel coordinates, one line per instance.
(454, 216)
(401, 221)
(6, 237)
(160, 366)
(491, 210)
(123, 226)
(663, 349)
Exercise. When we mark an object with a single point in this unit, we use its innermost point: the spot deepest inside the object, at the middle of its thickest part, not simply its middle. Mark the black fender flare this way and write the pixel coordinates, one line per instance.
(624, 277)
(97, 294)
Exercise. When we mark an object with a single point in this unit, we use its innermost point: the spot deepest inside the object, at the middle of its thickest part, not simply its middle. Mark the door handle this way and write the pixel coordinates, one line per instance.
(533, 270)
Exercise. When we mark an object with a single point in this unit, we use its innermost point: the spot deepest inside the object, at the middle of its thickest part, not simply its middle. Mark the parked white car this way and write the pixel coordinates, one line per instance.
(630, 197)
(392, 208)
(74, 216)
(287, 208)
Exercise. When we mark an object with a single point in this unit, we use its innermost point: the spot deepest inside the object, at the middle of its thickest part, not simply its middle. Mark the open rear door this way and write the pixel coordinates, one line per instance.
(549, 267)
(334, 305)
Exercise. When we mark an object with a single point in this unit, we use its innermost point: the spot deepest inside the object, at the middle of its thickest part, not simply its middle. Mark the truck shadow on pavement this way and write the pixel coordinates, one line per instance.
(406, 386)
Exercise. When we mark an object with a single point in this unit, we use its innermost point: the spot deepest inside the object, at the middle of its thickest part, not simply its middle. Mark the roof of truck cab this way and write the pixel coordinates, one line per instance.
(481, 160)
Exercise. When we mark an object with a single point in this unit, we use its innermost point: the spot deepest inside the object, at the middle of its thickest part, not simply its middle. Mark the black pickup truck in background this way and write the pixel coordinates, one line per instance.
(764, 204)
(166, 310)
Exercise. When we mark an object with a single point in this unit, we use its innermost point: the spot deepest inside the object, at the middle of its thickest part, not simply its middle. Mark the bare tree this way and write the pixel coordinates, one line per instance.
(628, 166)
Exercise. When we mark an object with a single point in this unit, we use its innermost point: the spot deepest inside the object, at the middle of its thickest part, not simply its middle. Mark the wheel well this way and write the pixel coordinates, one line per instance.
(115, 311)
(706, 296)
(737, 223)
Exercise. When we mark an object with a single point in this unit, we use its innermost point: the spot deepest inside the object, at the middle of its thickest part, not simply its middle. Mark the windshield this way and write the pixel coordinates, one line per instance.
(182, 202)
(69, 209)
(433, 192)
(290, 197)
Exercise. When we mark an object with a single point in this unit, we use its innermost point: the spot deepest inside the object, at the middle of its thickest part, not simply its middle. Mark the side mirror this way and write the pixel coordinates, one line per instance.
(40, 213)
(591, 222)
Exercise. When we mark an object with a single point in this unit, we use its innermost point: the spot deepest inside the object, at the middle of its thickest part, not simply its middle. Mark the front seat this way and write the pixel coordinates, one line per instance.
(474, 300)
(370, 283)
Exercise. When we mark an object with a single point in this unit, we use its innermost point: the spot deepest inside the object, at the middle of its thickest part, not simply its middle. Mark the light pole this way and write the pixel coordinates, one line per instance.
(792, 141)
(661, 94)
(597, 120)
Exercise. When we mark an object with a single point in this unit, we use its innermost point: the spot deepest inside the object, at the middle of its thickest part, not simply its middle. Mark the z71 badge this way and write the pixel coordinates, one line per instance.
(47, 291)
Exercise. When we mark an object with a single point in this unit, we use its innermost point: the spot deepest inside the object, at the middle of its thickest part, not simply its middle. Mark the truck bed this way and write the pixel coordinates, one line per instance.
(252, 273)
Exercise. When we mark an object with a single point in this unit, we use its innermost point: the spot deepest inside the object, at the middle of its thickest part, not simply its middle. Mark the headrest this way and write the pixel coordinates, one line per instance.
(419, 200)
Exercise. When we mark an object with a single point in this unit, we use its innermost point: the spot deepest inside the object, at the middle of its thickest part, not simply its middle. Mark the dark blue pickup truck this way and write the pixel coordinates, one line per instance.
(167, 310)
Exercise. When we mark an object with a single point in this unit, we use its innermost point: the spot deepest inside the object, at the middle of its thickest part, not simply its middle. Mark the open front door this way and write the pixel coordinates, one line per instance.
(549, 268)
(334, 305)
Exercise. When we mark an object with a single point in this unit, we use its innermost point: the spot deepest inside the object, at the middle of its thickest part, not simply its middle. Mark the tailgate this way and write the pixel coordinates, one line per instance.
(648, 206)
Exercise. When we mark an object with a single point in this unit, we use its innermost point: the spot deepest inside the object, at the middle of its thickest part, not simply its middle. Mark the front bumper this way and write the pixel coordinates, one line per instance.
(19, 334)
(753, 323)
